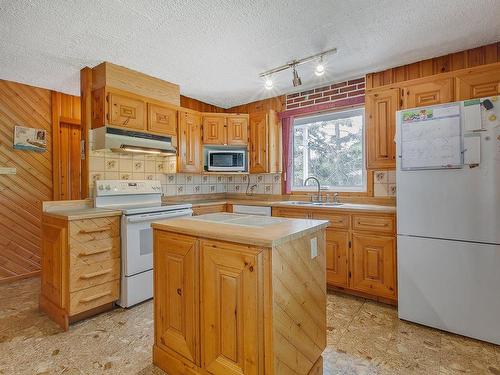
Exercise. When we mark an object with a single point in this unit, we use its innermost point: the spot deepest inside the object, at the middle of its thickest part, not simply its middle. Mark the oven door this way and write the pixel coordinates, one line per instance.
(137, 239)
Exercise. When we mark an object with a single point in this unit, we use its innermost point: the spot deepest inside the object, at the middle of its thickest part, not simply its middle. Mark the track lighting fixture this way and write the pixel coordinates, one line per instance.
(318, 71)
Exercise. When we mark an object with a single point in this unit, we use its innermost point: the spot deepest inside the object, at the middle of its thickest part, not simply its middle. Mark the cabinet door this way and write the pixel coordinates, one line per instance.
(237, 130)
(214, 130)
(126, 112)
(337, 243)
(162, 119)
(258, 143)
(381, 110)
(53, 249)
(373, 265)
(477, 84)
(428, 93)
(177, 306)
(189, 152)
(231, 316)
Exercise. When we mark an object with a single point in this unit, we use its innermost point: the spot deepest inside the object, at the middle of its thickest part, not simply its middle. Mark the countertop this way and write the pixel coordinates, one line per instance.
(81, 213)
(286, 204)
(244, 229)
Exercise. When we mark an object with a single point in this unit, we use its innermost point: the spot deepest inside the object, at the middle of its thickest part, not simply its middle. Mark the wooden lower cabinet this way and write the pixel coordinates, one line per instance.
(230, 309)
(374, 264)
(360, 250)
(178, 329)
(230, 290)
(80, 267)
(337, 247)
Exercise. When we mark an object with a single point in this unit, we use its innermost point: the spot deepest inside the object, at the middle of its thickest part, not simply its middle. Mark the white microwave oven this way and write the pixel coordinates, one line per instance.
(226, 160)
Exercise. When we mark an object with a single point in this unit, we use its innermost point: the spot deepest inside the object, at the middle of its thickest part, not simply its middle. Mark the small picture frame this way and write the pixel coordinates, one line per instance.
(30, 139)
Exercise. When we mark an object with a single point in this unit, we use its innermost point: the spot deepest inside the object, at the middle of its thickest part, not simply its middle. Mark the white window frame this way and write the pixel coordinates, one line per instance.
(316, 118)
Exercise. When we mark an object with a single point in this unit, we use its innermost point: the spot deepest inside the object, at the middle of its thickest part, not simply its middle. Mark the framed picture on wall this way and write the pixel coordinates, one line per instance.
(30, 139)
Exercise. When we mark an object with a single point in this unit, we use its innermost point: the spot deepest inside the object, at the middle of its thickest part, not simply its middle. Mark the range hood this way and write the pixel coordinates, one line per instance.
(129, 141)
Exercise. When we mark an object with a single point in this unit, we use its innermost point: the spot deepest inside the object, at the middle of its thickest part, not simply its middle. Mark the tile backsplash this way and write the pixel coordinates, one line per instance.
(384, 184)
(112, 166)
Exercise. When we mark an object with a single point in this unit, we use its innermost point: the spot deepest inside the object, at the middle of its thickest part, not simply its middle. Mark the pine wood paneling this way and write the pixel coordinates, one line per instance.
(197, 105)
(488, 54)
(21, 194)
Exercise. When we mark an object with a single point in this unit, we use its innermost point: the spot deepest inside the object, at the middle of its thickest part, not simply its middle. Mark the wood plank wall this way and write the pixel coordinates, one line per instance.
(276, 103)
(21, 195)
(454, 61)
(197, 105)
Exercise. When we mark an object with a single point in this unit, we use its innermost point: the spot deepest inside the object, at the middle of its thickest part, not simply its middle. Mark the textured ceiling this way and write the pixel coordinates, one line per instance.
(215, 49)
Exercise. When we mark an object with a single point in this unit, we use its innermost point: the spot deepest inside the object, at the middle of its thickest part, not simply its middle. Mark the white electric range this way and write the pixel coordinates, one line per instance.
(140, 203)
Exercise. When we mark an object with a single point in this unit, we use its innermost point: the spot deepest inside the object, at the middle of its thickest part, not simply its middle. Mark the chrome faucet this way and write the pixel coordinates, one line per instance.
(319, 187)
(336, 198)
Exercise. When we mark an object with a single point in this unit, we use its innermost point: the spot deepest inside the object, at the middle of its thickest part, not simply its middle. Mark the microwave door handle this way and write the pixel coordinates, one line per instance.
(140, 218)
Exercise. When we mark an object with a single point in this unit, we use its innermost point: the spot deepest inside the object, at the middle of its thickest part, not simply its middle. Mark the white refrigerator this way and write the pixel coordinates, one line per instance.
(448, 225)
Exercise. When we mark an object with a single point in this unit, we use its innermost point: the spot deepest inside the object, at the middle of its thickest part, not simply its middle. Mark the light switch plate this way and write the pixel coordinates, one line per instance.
(314, 247)
(8, 170)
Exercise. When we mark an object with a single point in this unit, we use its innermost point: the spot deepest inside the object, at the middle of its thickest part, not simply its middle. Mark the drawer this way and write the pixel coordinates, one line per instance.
(87, 276)
(95, 296)
(290, 212)
(94, 229)
(96, 251)
(201, 210)
(383, 224)
(336, 220)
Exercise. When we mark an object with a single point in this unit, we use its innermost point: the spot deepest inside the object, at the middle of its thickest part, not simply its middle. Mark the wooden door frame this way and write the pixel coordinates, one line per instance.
(57, 119)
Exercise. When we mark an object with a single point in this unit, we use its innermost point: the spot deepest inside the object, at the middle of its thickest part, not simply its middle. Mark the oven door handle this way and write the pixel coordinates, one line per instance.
(139, 218)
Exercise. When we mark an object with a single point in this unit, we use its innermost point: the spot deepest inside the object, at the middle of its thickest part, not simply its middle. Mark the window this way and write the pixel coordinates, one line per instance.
(329, 147)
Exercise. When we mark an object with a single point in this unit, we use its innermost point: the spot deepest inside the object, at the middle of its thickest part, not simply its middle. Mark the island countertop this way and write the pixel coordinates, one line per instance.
(263, 231)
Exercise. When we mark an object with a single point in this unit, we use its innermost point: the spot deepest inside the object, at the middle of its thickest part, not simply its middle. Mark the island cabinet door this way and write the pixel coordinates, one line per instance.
(337, 243)
(176, 295)
(230, 308)
(373, 265)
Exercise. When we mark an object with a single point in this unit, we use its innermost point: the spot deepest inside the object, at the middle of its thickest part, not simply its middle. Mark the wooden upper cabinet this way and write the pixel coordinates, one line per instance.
(428, 92)
(237, 130)
(162, 119)
(337, 245)
(264, 142)
(258, 142)
(374, 265)
(126, 112)
(189, 158)
(380, 114)
(478, 83)
(177, 262)
(230, 309)
(214, 130)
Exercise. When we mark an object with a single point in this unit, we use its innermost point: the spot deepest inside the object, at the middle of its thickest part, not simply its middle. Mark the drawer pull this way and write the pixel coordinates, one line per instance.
(95, 230)
(94, 297)
(95, 274)
(373, 224)
(89, 253)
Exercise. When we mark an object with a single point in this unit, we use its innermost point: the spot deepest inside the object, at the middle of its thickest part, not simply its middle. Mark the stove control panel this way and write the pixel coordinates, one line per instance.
(125, 187)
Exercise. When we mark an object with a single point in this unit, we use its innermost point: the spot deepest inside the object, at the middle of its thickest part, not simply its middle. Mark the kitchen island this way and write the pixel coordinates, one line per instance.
(239, 294)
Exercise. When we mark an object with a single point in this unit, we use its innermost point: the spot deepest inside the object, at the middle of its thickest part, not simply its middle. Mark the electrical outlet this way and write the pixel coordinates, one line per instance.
(314, 247)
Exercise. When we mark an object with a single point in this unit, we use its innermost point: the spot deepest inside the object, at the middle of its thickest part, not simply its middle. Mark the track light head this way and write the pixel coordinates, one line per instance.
(296, 79)
(269, 83)
(320, 68)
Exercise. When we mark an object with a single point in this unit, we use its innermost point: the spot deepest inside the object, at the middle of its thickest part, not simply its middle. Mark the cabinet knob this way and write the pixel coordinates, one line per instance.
(179, 291)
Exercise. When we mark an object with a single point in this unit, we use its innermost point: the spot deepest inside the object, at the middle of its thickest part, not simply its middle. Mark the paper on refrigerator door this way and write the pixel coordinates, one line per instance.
(472, 149)
(472, 115)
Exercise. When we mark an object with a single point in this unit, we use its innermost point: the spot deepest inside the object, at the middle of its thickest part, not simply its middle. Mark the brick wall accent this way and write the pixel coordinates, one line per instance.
(326, 94)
